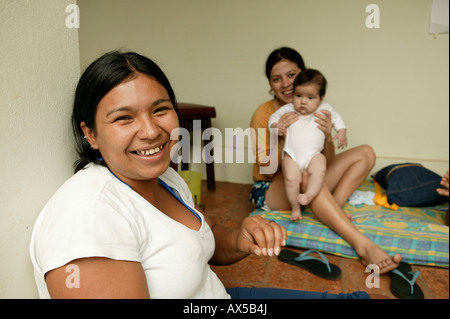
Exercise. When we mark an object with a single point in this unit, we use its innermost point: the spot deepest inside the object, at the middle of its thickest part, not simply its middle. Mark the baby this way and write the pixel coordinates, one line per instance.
(304, 140)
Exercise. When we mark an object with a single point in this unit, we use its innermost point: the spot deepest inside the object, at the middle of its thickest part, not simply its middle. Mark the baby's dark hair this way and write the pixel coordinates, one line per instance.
(311, 76)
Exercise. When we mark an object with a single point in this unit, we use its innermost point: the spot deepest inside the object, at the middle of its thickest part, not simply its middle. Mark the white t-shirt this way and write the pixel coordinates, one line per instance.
(94, 214)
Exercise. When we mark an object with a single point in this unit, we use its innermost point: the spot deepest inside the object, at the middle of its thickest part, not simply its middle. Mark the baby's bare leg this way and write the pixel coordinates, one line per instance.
(316, 171)
(292, 180)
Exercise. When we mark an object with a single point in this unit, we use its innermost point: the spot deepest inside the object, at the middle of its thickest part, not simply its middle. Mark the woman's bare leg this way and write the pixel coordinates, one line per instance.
(330, 213)
(276, 197)
(348, 170)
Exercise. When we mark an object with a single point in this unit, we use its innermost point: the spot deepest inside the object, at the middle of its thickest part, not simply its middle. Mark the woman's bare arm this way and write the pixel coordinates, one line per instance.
(98, 278)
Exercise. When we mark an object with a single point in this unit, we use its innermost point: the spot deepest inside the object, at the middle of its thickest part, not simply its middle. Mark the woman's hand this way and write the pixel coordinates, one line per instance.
(323, 118)
(285, 121)
(261, 237)
(256, 236)
(444, 182)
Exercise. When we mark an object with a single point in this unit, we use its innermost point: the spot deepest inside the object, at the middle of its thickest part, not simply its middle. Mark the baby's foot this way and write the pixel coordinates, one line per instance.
(296, 214)
(304, 199)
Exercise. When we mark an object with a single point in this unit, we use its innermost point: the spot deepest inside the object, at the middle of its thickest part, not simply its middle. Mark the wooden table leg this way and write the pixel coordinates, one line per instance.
(210, 166)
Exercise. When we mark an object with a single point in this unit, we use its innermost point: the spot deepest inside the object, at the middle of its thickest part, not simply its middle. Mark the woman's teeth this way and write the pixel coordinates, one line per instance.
(150, 152)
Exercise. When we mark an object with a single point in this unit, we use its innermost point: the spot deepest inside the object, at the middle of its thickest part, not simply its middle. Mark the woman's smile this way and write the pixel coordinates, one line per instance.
(288, 94)
(150, 152)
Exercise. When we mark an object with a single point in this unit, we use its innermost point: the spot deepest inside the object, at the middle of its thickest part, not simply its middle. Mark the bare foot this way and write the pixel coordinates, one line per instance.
(296, 214)
(304, 199)
(375, 255)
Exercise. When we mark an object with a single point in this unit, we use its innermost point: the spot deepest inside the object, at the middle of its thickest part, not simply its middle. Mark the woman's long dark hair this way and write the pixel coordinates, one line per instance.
(98, 79)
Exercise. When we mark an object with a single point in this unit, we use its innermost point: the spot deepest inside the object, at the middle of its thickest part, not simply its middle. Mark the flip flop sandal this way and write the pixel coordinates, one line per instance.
(403, 282)
(319, 267)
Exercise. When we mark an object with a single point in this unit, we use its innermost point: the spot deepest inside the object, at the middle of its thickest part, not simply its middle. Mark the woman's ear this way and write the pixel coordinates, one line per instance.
(88, 135)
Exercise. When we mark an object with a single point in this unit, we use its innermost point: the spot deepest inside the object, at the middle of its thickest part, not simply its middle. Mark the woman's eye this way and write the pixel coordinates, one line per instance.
(162, 109)
(122, 118)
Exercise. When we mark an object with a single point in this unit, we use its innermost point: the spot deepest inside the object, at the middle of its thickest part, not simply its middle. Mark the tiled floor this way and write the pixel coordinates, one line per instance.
(228, 205)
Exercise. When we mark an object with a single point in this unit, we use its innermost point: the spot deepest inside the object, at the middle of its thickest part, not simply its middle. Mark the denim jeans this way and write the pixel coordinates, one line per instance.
(275, 293)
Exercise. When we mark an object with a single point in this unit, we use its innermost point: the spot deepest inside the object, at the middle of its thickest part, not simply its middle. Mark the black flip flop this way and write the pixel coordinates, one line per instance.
(319, 267)
(403, 282)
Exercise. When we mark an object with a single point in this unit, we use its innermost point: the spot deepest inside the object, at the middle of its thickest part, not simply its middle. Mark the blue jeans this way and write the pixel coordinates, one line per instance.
(275, 293)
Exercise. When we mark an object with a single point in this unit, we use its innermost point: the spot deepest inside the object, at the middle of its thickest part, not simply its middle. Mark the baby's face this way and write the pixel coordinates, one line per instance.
(307, 98)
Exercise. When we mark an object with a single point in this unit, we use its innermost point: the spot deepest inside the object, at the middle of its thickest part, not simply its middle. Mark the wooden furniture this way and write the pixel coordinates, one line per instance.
(187, 113)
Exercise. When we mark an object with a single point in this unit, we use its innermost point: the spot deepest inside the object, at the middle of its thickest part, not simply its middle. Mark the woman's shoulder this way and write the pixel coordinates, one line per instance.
(87, 182)
(92, 196)
(262, 114)
(266, 107)
(87, 185)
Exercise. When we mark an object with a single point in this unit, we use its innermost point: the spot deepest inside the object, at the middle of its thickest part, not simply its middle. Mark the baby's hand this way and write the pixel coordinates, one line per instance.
(341, 137)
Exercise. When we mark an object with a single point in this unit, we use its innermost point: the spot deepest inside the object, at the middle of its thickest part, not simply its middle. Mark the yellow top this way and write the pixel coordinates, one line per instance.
(261, 138)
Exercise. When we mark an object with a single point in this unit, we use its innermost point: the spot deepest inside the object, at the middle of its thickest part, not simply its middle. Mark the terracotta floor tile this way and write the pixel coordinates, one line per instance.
(250, 270)
(436, 280)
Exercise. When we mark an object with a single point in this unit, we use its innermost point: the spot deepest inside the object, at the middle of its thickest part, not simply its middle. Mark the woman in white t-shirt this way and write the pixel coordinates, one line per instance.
(125, 225)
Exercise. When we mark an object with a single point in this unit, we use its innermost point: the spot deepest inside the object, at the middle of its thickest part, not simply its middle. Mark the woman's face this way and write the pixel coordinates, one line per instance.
(281, 79)
(133, 125)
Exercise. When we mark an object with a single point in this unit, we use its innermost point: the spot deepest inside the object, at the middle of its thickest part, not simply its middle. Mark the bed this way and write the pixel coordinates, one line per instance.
(418, 234)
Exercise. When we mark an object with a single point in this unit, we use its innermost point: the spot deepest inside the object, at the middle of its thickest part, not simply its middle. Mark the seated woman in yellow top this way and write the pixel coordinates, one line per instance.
(345, 171)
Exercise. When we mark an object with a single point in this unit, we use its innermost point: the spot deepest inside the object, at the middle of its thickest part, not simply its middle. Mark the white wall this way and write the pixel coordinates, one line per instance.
(39, 67)
(390, 84)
